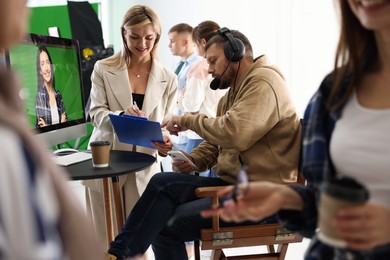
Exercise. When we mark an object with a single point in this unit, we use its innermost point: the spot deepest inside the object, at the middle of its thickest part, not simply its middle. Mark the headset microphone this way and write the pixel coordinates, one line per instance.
(234, 50)
(215, 83)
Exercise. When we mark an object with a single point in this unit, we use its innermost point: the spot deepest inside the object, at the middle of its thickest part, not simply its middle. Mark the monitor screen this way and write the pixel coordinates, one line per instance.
(50, 71)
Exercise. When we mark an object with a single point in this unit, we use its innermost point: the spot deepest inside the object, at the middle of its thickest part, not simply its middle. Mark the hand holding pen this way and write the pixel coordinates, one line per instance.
(134, 110)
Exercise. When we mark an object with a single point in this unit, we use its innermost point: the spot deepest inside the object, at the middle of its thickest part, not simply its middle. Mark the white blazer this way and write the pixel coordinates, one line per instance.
(111, 93)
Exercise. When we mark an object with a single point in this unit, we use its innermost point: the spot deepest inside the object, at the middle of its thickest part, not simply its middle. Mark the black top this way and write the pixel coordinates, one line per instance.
(139, 98)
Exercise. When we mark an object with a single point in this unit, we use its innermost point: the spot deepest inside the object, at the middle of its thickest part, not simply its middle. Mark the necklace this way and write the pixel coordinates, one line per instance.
(140, 74)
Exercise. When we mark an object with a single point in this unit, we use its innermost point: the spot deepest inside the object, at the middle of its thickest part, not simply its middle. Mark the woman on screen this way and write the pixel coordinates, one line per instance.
(49, 105)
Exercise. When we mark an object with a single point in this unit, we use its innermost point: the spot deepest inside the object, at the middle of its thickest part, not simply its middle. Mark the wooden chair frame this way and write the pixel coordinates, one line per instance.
(274, 236)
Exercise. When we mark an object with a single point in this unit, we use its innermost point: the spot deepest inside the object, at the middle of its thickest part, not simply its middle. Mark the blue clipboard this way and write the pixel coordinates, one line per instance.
(136, 130)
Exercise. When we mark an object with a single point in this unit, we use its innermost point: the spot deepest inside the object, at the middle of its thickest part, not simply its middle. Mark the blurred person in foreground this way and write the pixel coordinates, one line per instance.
(345, 134)
(40, 216)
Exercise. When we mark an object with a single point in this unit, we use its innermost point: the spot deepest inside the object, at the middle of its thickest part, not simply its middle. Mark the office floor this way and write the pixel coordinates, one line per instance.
(294, 252)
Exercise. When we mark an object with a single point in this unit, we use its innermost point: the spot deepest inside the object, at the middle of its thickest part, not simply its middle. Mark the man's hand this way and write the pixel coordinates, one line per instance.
(182, 166)
(173, 125)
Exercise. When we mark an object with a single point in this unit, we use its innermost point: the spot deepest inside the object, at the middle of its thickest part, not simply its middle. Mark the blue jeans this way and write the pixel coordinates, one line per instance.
(166, 215)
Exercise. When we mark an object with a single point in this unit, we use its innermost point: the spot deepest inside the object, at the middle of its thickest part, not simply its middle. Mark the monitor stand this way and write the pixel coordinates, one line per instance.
(64, 151)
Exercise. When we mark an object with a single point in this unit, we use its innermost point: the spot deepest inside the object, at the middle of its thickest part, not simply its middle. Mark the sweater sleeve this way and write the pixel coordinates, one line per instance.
(205, 156)
(304, 221)
(249, 117)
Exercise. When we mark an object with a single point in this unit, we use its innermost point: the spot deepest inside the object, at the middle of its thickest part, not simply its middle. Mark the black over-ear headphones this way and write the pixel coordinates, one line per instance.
(234, 48)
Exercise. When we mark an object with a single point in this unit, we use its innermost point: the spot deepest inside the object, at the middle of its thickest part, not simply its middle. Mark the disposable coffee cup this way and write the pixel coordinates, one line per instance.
(100, 153)
(337, 194)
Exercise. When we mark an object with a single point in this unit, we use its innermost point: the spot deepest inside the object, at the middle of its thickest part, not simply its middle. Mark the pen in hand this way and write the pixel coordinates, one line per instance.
(137, 110)
(135, 107)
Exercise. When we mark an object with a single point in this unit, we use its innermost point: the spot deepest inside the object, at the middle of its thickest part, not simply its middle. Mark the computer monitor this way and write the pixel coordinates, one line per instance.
(50, 71)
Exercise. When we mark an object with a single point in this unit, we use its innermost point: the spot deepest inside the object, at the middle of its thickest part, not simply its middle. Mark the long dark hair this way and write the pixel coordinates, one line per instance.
(356, 51)
(39, 76)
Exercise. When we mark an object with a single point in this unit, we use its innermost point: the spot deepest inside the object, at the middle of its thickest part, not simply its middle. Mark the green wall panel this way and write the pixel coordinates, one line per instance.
(41, 18)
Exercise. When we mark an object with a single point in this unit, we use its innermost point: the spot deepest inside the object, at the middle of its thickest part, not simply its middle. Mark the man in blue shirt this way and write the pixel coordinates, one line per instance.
(182, 45)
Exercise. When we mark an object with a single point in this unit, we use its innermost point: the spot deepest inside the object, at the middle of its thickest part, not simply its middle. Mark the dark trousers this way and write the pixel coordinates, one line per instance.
(166, 215)
(154, 213)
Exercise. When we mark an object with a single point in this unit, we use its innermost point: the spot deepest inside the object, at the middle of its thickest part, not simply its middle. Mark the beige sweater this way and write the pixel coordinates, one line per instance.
(256, 124)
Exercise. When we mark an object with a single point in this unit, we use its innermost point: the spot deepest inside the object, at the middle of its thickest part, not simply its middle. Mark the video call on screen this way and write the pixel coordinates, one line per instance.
(37, 72)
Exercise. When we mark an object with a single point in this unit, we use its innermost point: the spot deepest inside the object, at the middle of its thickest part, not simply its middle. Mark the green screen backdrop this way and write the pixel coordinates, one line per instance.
(41, 18)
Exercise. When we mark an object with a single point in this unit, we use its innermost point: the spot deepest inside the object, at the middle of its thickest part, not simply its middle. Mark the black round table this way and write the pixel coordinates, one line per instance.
(121, 162)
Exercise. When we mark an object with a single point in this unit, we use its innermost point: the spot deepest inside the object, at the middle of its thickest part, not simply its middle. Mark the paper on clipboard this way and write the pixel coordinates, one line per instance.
(136, 130)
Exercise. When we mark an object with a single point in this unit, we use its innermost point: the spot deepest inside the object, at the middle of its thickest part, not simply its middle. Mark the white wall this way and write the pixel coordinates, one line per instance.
(35, 3)
(298, 36)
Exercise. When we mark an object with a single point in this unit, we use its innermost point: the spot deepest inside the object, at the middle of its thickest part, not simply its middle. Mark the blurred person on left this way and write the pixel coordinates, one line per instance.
(40, 216)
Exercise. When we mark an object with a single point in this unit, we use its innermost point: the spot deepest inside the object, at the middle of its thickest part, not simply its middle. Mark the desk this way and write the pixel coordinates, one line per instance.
(121, 162)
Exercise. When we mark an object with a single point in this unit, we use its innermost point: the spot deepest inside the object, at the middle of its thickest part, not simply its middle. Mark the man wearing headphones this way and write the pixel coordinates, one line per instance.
(256, 122)
(256, 126)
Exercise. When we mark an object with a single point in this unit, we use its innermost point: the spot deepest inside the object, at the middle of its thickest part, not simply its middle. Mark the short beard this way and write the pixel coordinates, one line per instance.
(228, 78)
(224, 85)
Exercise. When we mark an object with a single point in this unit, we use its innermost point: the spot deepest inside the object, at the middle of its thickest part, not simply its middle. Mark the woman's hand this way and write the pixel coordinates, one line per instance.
(134, 111)
(164, 148)
(262, 199)
(363, 227)
(41, 122)
(63, 118)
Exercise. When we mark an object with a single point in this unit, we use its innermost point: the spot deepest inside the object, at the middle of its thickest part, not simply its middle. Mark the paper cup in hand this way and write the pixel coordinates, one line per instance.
(336, 194)
(100, 153)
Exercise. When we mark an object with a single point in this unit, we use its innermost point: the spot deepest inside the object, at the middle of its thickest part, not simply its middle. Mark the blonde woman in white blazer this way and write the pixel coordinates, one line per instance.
(132, 74)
